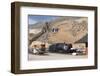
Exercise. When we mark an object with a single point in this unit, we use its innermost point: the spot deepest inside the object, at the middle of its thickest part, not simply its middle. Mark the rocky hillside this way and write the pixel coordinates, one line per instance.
(70, 30)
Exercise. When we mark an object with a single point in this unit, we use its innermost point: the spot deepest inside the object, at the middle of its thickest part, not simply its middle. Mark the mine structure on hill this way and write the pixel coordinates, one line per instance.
(62, 30)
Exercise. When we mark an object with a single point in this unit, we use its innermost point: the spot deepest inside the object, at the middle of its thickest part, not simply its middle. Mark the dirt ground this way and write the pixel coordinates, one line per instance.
(54, 56)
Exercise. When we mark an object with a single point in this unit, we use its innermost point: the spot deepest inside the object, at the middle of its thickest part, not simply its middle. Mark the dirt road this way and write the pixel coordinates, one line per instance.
(54, 56)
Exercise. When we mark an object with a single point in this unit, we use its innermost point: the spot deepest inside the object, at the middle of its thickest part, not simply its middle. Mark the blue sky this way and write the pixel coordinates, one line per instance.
(40, 18)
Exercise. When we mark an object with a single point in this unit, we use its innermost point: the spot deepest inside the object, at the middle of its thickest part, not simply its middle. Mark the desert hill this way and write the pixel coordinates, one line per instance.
(70, 30)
